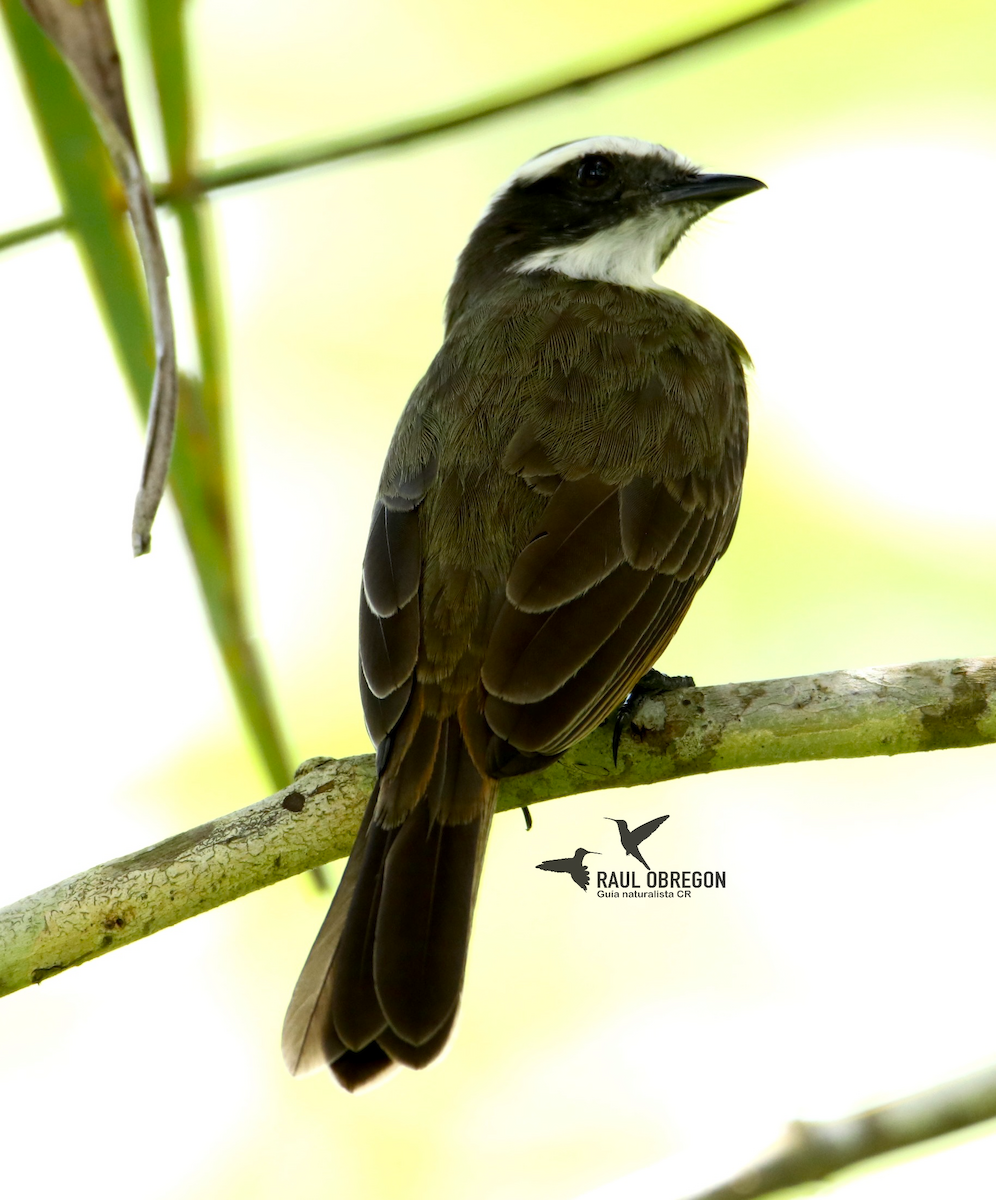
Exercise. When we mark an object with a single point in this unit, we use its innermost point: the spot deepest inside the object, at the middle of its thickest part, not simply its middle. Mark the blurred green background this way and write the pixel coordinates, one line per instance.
(848, 960)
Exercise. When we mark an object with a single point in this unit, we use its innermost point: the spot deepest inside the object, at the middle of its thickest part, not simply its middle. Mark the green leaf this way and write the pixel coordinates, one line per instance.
(91, 197)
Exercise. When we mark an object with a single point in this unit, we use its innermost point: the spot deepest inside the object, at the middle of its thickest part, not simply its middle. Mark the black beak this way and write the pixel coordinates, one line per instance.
(713, 189)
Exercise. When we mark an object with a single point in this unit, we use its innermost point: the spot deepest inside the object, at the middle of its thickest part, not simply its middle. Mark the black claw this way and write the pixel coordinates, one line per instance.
(654, 683)
(529, 817)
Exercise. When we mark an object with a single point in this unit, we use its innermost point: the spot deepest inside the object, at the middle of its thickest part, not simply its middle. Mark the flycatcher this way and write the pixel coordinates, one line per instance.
(559, 486)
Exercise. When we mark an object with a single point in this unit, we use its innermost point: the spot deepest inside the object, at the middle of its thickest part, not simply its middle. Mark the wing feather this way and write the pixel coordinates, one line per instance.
(576, 545)
(388, 646)
(392, 565)
(530, 655)
(673, 562)
(549, 726)
(552, 676)
(382, 713)
(651, 520)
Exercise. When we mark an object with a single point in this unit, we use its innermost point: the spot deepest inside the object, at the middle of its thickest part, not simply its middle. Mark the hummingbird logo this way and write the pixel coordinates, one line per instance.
(631, 838)
(571, 866)
(613, 884)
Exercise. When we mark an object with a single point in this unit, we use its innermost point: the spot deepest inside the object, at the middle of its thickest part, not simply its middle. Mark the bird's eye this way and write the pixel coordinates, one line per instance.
(594, 170)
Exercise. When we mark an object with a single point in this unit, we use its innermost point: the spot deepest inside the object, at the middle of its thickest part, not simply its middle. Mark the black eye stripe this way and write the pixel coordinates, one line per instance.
(594, 170)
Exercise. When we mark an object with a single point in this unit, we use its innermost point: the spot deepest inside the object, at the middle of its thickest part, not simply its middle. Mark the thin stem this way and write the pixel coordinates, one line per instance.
(31, 233)
(814, 1151)
(398, 133)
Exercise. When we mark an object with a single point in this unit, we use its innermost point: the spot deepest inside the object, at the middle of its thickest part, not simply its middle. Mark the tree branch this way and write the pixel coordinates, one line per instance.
(813, 1151)
(398, 133)
(843, 714)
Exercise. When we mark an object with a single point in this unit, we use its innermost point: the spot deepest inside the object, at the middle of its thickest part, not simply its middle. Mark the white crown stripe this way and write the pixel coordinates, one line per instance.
(551, 160)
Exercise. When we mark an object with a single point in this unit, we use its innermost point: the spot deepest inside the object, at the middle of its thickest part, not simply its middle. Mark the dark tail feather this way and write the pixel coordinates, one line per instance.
(309, 1038)
(356, 1014)
(356, 1068)
(423, 925)
(417, 1056)
(382, 984)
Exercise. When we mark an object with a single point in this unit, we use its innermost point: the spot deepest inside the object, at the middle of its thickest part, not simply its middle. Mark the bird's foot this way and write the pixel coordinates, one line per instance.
(654, 683)
(529, 817)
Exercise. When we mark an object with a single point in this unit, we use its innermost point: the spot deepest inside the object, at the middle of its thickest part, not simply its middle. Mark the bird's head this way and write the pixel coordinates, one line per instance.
(604, 208)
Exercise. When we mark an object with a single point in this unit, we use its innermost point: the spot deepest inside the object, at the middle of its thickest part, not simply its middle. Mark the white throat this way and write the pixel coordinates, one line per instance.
(629, 253)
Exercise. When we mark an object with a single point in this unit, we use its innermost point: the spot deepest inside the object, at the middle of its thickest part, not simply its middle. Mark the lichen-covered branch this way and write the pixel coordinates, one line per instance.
(844, 714)
(812, 1151)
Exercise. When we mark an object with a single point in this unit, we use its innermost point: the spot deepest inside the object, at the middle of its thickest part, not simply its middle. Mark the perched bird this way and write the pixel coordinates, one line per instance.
(559, 486)
(631, 838)
(571, 866)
